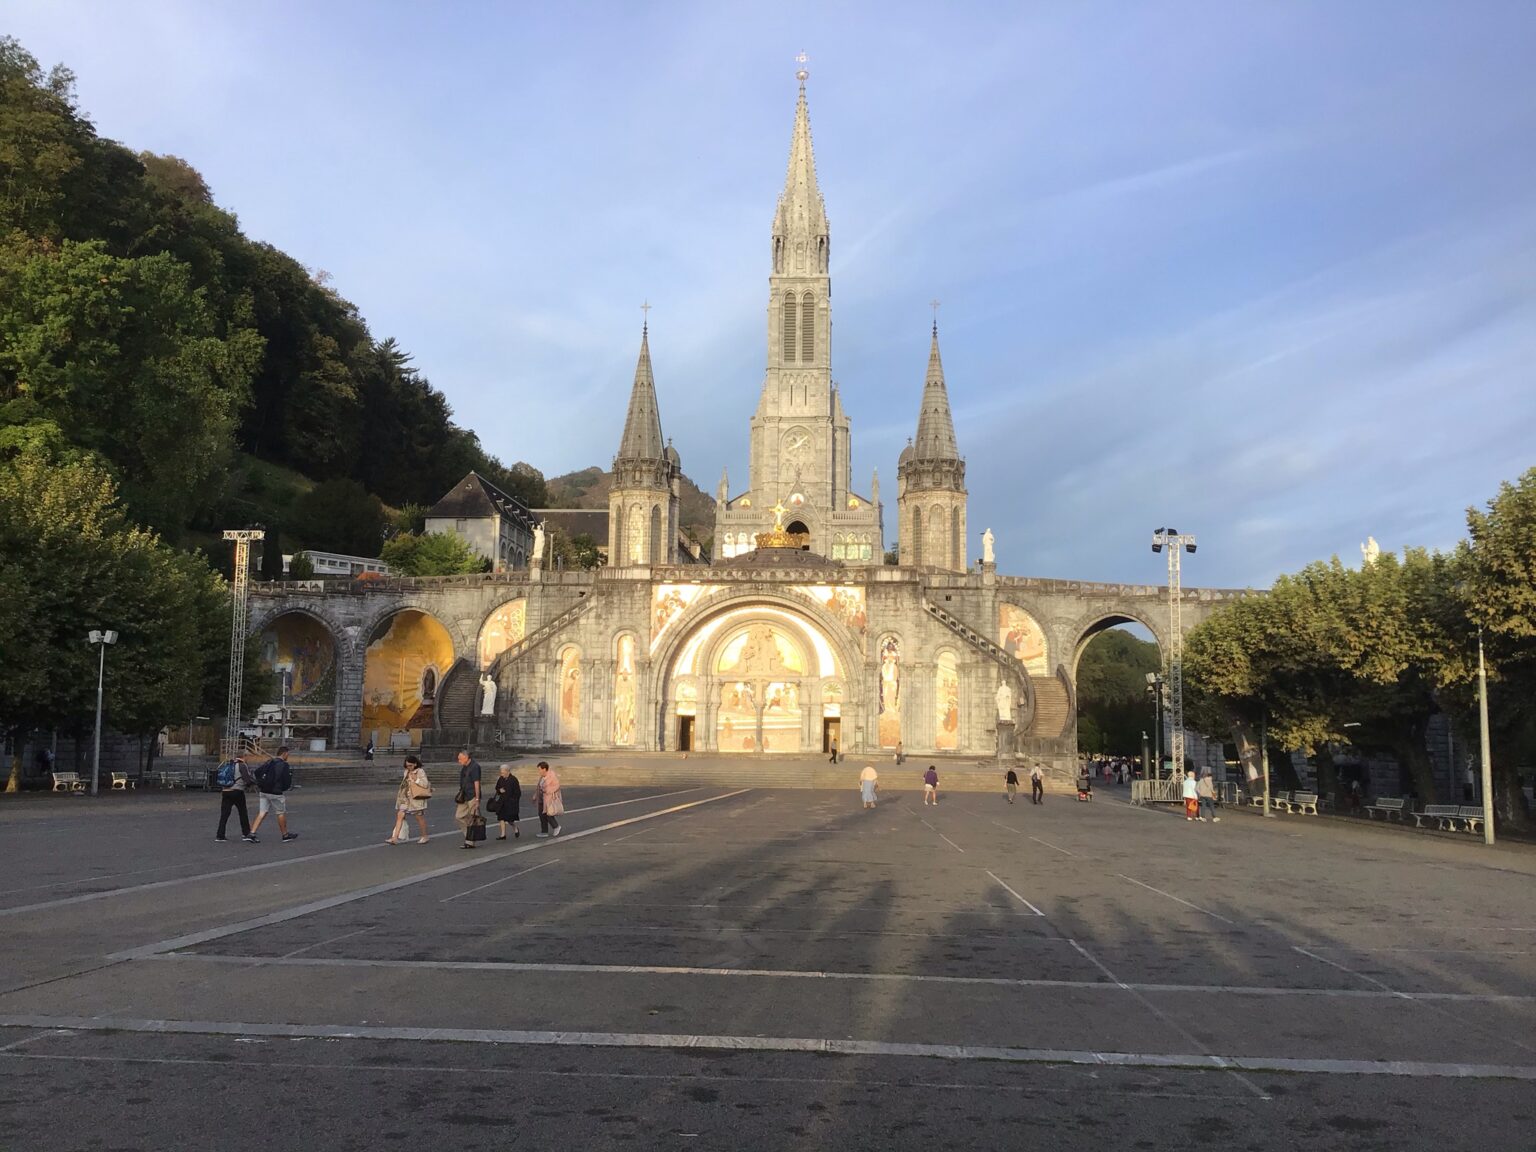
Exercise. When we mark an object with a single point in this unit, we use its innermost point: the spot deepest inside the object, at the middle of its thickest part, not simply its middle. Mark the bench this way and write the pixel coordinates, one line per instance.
(1390, 807)
(175, 778)
(67, 782)
(1444, 816)
(1472, 816)
(123, 781)
(1303, 802)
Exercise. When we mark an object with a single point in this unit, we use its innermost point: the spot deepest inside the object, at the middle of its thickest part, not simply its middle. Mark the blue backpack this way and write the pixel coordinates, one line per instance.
(229, 774)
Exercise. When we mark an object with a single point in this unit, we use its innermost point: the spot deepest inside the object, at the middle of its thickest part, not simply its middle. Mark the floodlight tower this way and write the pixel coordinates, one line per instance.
(242, 538)
(1176, 543)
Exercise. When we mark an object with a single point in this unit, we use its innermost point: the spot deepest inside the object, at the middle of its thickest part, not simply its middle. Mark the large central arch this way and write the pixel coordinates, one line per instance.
(755, 673)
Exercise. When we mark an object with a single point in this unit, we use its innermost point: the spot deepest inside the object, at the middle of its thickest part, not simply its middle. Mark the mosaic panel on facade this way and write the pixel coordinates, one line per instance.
(1021, 637)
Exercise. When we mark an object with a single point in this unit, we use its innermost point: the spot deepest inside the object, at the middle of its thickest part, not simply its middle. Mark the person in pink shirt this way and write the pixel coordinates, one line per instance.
(551, 803)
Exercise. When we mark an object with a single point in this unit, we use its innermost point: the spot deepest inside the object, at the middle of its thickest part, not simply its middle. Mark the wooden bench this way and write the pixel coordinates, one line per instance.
(1472, 816)
(1444, 816)
(123, 781)
(1390, 807)
(67, 782)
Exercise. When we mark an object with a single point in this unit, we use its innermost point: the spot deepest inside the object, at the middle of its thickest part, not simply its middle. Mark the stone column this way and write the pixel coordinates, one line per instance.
(350, 658)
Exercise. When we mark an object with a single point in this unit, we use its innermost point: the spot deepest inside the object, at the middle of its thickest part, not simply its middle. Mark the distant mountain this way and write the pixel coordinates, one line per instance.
(589, 488)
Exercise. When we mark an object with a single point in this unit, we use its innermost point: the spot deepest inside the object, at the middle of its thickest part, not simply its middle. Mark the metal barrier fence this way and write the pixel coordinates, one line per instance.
(1171, 791)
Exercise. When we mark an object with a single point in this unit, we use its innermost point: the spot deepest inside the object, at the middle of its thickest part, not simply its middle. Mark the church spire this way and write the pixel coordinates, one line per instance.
(935, 425)
(642, 427)
(802, 214)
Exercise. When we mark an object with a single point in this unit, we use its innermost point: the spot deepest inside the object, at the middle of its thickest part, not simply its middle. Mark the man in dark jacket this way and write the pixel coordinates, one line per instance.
(273, 779)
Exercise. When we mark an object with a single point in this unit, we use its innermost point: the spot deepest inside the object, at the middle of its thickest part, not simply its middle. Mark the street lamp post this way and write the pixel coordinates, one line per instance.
(1176, 543)
(1487, 754)
(1155, 685)
(101, 640)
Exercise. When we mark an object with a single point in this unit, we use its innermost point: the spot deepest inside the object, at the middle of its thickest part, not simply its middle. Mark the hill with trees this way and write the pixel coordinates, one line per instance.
(589, 488)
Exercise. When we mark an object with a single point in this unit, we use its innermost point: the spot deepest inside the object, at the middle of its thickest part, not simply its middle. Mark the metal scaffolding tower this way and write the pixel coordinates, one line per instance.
(240, 594)
(1176, 543)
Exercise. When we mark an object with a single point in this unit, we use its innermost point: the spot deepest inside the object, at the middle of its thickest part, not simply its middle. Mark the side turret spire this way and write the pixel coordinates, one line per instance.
(642, 438)
(935, 425)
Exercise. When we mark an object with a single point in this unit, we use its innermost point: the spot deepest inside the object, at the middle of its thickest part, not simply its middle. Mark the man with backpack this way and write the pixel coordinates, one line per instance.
(273, 779)
(233, 778)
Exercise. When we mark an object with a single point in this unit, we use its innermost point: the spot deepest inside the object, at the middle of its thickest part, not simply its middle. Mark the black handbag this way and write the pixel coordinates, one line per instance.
(476, 830)
(493, 804)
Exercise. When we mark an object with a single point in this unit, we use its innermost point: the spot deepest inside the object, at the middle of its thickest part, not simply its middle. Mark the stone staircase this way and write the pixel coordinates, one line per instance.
(539, 635)
(1053, 706)
(1023, 683)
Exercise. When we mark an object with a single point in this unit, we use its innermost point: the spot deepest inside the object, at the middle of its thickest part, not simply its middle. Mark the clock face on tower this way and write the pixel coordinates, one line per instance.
(797, 444)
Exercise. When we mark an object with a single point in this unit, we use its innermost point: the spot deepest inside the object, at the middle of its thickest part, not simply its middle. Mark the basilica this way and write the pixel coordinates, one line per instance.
(793, 635)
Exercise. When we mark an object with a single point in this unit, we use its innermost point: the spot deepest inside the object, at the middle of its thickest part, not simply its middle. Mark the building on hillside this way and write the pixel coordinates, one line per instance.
(496, 525)
(595, 524)
(329, 565)
(794, 637)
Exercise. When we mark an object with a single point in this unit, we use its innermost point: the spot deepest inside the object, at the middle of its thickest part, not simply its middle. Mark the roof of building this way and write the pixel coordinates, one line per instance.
(475, 497)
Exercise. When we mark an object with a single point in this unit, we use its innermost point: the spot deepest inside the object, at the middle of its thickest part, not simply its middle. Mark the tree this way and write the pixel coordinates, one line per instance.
(432, 554)
(120, 356)
(1112, 700)
(71, 561)
(340, 516)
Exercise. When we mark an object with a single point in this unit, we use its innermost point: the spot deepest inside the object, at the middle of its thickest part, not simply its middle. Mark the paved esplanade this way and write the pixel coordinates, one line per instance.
(748, 968)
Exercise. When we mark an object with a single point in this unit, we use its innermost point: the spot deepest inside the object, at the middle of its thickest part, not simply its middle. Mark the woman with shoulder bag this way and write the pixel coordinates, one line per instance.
(411, 797)
(507, 802)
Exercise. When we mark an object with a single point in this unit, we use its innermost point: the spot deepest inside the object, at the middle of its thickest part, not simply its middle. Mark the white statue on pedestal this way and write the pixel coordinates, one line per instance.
(487, 695)
(538, 544)
(1004, 702)
(986, 548)
(1370, 550)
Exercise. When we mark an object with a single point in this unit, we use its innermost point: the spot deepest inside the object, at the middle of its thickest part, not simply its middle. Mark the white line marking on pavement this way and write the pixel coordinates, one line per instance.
(247, 869)
(498, 880)
(943, 837)
(1015, 895)
(1164, 1017)
(323, 943)
(826, 1045)
(1347, 970)
(1176, 899)
(1048, 844)
(294, 913)
(875, 977)
(631, 836)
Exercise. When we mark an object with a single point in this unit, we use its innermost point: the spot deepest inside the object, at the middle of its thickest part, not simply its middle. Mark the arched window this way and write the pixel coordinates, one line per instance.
(656, 553)
(789, 327)
(808, 328)
(839, 547)
(917, 535)
(636, 534)
(938, 537)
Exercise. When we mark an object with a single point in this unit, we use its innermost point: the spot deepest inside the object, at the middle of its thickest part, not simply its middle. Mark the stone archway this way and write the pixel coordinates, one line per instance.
(756, 675)
(406, 656)
(1114, 713)
(306, 645)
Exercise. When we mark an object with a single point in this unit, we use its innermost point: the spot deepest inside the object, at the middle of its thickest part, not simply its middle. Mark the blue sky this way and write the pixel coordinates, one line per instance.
(1263, 271)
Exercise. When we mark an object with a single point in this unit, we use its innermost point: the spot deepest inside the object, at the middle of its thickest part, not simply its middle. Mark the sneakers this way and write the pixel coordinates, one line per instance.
(1215, 819)
(219, 840)
(287, 836)
(543, 835)
(251, 838)
(556, 832)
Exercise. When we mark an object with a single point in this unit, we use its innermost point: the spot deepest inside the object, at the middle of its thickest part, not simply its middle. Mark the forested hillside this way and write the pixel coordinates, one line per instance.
(138, 323)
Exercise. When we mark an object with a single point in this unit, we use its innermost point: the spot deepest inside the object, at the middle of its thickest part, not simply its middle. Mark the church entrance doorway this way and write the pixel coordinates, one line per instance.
(831, 733)
(755, 679)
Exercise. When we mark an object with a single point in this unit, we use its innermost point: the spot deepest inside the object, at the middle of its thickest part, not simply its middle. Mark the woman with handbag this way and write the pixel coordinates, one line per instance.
(412, 796)
(506, 802)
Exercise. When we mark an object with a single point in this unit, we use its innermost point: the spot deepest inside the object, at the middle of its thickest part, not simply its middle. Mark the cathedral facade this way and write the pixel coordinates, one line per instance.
(797, 636)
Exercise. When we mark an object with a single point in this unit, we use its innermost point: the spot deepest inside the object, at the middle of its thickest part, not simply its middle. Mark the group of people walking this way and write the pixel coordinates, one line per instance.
(272, 780)
(504, 803)
(869, 785)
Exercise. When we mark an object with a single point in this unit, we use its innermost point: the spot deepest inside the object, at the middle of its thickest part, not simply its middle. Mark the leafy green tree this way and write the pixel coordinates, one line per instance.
(432, 554)
(72, 561)
(340, 516)
(120, 357)
(301, 567)
(1112, 703)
